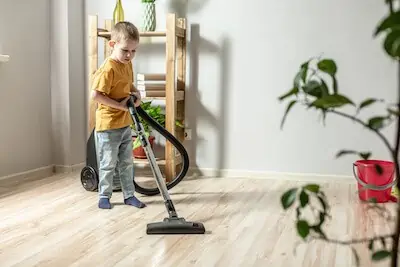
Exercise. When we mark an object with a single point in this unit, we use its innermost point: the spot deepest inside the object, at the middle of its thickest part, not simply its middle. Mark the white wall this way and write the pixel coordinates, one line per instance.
(236, 71)
(25, 112)
(43, 112)
(68, 82)
(238, 67)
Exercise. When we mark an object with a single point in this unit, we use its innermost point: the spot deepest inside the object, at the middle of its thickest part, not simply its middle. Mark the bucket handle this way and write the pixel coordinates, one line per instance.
(374, 187)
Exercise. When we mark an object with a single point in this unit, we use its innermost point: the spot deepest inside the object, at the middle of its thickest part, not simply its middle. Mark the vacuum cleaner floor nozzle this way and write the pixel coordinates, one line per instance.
(175, 226)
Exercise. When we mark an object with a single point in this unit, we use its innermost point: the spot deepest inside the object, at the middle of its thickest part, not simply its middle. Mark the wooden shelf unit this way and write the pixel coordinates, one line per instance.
(174, 76)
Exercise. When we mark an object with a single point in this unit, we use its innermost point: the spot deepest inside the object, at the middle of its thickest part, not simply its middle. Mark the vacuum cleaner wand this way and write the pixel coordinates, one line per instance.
(173, 224)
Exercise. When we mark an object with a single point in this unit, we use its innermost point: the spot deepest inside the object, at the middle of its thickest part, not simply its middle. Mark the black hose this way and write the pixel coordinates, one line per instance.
(175, 142)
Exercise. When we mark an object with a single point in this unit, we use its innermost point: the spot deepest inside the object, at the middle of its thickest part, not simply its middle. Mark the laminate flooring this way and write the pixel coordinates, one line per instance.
(53, 221)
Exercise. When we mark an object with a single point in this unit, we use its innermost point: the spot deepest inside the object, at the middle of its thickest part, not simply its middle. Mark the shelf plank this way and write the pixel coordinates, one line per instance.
(150, 77)
(180, 32)
(106, 34)
(149, 86)
(179, 96)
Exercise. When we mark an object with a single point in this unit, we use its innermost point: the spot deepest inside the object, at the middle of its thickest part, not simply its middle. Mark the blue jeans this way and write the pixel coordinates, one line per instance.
(114, 150)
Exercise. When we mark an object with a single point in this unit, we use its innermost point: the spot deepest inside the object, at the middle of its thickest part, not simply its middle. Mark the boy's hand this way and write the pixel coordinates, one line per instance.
(138, 99)
(123, 103)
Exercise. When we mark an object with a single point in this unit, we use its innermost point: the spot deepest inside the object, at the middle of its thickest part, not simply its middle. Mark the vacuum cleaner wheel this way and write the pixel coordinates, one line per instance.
(89, 178)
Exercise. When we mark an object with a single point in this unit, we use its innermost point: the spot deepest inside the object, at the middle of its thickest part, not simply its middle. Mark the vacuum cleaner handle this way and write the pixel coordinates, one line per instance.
(131, 101)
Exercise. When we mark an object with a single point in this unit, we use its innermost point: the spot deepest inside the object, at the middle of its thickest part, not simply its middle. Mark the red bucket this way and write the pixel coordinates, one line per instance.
(375, 179)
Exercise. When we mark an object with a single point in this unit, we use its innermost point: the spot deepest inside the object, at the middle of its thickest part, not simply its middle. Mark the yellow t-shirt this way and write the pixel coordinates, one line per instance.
(113, 79)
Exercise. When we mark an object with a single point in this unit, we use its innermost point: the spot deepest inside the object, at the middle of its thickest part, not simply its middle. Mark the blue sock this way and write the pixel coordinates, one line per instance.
(133, 201)
(104, 203)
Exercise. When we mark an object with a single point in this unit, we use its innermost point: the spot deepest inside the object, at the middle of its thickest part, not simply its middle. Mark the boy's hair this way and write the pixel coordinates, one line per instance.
(124, 30)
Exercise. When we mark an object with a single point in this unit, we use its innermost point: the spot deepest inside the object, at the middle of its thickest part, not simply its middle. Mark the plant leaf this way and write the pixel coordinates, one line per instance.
(345, 152)
(328, 66)
(365, 155)
(301, 75)
(367, 102)
(332, 101)
(380, 255)
(312, 188)
(288, 198)
(392, 21)
(303, 229)
(377, 123)
(313, 88)
(293, 91)
(393, 112)
(304, 69)
(288, 108)
(304, 199)
(324, 88)
(335, 85)
(371, 245)
(392, 43)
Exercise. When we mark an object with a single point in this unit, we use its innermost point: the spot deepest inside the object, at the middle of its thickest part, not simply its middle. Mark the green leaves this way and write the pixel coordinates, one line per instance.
(367, 102)
(377, 122)
(392, 43)
(393, 112)
(380, 255)
(304, 198)
(288, 108)
(363, 155)
(303, 229)
(392, 21)
(328, 66)
(312, 188)
(316, 88)
(293, 91)
(391, 26)
(331, 101)
(288, 198)
(305, 195)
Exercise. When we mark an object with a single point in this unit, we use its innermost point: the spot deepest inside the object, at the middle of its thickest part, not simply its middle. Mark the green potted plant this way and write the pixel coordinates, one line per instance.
(156, 113)
(314, 92)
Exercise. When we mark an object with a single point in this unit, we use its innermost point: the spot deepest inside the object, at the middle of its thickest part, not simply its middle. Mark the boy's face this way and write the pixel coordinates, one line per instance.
(124, 50)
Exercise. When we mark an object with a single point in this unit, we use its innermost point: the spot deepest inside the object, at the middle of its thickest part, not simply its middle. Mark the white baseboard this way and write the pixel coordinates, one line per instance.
(200, 172)
(310, 177)
(44, 171)
(35, 173)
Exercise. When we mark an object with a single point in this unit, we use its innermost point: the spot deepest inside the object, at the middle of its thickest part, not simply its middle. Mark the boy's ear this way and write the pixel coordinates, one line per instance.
(111, 43)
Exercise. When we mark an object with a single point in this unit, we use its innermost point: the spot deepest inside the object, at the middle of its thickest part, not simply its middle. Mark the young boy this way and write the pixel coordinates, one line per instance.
(111, 88)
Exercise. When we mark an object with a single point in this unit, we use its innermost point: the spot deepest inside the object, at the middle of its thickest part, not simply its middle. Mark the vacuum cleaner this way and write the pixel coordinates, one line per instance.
(173, 224)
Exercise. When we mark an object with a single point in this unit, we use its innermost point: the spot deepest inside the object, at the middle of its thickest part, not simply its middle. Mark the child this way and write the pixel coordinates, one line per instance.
(111, 88)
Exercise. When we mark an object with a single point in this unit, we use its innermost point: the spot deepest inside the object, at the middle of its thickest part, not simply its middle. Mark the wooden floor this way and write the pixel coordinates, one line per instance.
(55, 222)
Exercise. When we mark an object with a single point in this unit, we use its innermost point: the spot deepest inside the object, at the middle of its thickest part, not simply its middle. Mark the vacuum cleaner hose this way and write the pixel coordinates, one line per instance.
(175, 142)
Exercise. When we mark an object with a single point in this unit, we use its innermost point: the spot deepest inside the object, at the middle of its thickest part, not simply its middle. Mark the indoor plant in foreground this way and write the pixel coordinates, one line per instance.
(324, 96)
